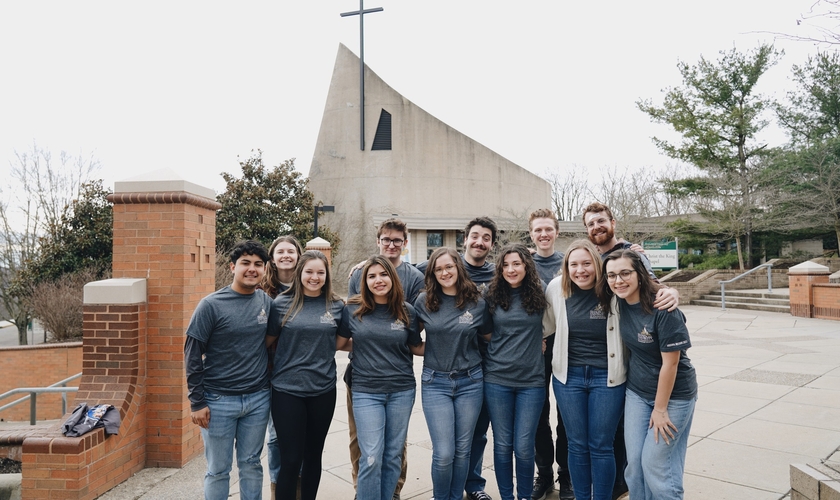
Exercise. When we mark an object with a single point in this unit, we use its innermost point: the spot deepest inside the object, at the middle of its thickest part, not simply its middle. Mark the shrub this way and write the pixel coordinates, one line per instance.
(58, 304)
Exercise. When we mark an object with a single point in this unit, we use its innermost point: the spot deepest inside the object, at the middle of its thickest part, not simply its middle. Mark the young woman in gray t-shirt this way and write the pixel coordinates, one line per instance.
(514, 379)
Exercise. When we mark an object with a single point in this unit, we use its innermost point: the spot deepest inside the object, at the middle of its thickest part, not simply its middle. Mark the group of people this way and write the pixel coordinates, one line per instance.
(592, 325)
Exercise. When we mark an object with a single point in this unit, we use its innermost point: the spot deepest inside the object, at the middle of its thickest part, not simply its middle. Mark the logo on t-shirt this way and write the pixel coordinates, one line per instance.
(328, 319)
(597, 312)
(645, 337)
(262, 318)
(466, 318)
(397, 325)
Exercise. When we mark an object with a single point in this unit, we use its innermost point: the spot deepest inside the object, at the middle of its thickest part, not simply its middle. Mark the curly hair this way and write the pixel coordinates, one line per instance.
(647, 287)
(396, 297)
(466, 291)
(271, 281)
(595, 208)
(499, 293)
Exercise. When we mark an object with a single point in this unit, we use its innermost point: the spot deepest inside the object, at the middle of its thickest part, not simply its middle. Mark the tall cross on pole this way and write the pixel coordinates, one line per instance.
(361, 13)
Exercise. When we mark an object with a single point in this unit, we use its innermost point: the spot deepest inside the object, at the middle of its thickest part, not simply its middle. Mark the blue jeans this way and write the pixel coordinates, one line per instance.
(655, 470)
(381, 428)
(514, 414)
(451, 404)
(591, 412)
(273, 447)
(241, 419)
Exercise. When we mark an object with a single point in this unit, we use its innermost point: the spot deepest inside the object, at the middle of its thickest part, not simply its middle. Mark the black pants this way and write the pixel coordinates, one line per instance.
(546, 450)
(302, 425)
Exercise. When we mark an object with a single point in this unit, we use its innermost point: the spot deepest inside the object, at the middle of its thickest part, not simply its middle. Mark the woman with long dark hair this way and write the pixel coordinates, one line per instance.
(588, 372)
(384, 334)
(304, 375)
(661, 382)
(452, 385)
(514, 382)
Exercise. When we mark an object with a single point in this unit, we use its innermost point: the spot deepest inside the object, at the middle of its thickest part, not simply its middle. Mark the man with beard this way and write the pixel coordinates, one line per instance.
(600, 227)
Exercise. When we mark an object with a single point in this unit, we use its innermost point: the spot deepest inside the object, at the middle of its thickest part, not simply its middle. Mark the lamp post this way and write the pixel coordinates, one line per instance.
(321, 208)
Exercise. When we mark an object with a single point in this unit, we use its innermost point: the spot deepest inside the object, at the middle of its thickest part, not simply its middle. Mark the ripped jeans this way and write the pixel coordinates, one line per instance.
(381, 428)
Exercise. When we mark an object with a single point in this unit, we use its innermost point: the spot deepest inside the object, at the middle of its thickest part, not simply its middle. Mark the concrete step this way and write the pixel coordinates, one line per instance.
(764, 295)
(743, 305)
(748, 300)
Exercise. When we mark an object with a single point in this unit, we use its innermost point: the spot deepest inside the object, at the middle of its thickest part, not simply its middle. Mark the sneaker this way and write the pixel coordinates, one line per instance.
(566, 491)
(542, 487)
(478, 495)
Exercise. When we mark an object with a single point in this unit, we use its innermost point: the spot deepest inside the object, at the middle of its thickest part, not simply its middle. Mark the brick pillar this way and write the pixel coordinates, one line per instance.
(322, 246)
(800, 279)
(165, 231)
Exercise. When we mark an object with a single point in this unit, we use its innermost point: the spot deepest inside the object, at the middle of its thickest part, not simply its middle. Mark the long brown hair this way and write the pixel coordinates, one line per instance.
(396, 297)
(271, 281)
(465, 290)
(499, 293)
(566, 282)
(647, 287)
(296, 291)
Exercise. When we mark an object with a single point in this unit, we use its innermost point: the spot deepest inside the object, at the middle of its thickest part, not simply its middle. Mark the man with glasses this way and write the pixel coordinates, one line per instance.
(600, 228)
(391, 238)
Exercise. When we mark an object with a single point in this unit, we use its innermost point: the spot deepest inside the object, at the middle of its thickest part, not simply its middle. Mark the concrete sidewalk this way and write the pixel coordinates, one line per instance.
(769, 397)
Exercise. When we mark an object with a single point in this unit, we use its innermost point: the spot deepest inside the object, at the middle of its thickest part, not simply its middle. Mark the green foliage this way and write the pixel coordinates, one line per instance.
(81, 240)
(814, 110)
(687, 259)
(722, 261)
(265, 203)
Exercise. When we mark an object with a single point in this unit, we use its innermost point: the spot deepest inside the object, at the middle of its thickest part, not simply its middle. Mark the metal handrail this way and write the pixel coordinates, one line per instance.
(58, 387)
(723, 284)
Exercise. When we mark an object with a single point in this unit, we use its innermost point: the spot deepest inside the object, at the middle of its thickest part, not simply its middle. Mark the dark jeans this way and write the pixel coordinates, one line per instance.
(302, 425)
(546, 451)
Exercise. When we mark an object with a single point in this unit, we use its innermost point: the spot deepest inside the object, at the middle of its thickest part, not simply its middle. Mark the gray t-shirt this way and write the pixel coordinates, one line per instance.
(451, 333)
(304, 362)
(382, 362)
(548, 267)
(647, 336)
(233, 327)
(514, 356)
(587, 329)
(410, 278)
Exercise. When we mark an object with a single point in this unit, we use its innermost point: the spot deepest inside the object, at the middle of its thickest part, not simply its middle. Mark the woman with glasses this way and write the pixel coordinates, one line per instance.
(304, 375)
(453, 313)
(661, 382)
(514, 382)
(384, 334)
(588, 372)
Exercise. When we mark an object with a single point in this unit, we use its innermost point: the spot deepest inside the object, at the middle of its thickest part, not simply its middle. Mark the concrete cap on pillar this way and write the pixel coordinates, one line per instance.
(317, 244)
(809, 268)
(163, 180)
(116, 291)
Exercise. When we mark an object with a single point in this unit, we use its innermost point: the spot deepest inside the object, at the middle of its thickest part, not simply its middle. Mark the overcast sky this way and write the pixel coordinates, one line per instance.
(191, 86)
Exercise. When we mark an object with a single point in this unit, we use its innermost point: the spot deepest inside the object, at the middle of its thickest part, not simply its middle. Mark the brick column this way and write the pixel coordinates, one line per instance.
(800, 279)
(322, 246)
(165, 231)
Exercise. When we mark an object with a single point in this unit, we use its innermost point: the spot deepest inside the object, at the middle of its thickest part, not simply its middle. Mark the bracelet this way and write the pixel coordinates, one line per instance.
(661, 411)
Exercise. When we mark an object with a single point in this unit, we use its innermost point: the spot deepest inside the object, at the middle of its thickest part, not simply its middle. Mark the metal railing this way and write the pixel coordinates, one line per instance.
(723, 284)
(58, 387)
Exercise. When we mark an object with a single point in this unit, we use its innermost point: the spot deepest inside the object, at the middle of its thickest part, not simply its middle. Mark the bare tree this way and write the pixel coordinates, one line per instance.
(820, 25)
(35, 196)
(569, 192)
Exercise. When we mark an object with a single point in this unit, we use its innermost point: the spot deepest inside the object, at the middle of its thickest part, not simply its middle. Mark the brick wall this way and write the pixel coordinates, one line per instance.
(826, 300)
(114, 373)
(38, 366)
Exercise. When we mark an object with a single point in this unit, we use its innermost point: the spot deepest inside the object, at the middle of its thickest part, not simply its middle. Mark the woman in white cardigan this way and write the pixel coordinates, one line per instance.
(589, 371)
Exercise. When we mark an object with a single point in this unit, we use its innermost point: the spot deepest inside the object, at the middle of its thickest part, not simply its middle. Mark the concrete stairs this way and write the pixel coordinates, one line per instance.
(754, 300)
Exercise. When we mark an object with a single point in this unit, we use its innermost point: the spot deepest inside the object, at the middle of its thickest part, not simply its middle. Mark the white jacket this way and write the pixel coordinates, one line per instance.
(616, 360)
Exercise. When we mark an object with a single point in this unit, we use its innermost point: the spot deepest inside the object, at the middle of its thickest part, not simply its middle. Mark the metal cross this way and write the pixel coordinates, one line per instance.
(361, 13)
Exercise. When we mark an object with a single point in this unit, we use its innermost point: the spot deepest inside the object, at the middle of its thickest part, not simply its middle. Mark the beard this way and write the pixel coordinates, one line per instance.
(601, 238)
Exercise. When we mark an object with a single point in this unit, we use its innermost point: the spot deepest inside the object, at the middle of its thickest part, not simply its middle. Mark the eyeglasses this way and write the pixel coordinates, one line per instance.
(448, 268)
(388, 241)
(611, 277)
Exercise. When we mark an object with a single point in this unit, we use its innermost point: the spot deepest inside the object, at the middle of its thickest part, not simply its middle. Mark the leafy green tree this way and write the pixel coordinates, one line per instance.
(813, 110)
(265, 203)
(719, 114)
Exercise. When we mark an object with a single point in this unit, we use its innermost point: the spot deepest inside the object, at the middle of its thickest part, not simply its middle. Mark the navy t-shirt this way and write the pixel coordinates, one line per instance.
(647, 336)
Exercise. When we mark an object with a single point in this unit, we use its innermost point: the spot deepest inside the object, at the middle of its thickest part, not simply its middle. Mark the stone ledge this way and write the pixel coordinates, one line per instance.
(814, 482)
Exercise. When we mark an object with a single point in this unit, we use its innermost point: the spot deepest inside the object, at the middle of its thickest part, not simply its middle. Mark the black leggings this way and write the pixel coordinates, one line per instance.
(302, 425)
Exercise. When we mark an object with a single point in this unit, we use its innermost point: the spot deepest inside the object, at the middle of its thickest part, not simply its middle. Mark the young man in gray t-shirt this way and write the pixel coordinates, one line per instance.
(227, 373)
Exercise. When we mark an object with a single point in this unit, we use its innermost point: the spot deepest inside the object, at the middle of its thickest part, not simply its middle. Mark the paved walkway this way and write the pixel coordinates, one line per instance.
(769, 397)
